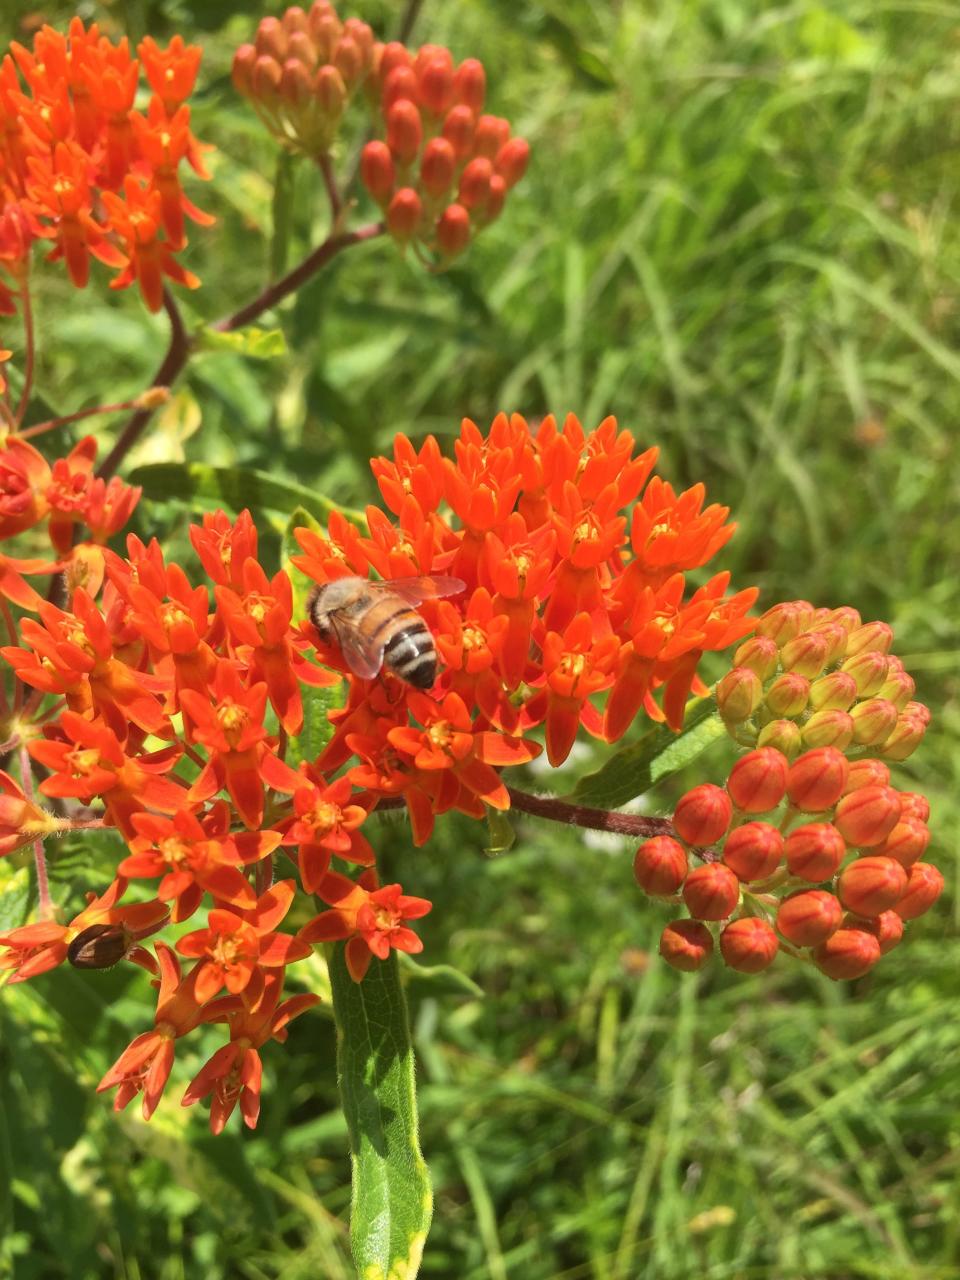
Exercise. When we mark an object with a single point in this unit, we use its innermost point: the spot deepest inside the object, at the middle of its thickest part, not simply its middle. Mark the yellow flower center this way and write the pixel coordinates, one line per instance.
(173, 615)
(257, 606)
(440, 735)
(173, 850)
(473, 638)
(83, 760)
(323, 817)
(573, 664)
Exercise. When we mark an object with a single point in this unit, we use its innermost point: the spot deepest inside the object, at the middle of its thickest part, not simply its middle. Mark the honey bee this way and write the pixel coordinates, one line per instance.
(376, 624)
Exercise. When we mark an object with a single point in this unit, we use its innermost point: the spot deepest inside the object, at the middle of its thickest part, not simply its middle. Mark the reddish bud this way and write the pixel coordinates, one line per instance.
(836, 640)
(436, 85)
(914, 805)
(758, 781)
(711, 891)
(805, 654)
(470, 85)
(871, 637)
(330, 91)
(869, 670)
(438, 167)
(399, 86)
(348, 59)
(491, 134)
(496, 199)
(887, 928)
(453, 230)
(866, 773)
(919, 712)
(760, 654)
(295, 20)
(703, 814)
(905, 737)
(404, 130)
(393, 55)
(265, 80)
(739, 694)
(816, 779)
(846, 616)
(867, 816)
(512, 160)
(301, 48)
(871, 885)
(753, 851)
(898, 688)
(475, 182)
(848, 953)
(296, 88)
(784, 621)
(458, 129)
(788, 695)
(748, 945)
(376, 171)
(907, 842)
(686, 945)
(835, 692)
(828, 729)
(809, 917)
(403, 214)
(873, 721)
(241, 73)
(324, 31)
(660, 866)
(924, 886)
(783, 735)
(814, 851)
(271, 39)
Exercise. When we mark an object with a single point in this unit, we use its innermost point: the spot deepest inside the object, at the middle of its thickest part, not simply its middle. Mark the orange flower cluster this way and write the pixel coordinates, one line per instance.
(573, 563)
(445, 168)
(791, 819)
(301, 72)
(81, 167)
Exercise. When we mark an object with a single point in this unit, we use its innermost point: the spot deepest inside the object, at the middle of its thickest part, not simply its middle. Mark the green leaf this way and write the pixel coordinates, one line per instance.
(300, 518)
(282, 209)
(317, 729)
(660, 752)
(442, 979)
(258, 344)
(392, 1200)
(16, 897)
(233, 487)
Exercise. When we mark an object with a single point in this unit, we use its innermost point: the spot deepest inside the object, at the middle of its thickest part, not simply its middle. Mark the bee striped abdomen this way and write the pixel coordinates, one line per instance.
(410, 653)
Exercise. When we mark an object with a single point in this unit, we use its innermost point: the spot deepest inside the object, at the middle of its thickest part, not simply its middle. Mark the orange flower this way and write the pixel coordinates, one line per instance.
(371, 920)
(138, 219)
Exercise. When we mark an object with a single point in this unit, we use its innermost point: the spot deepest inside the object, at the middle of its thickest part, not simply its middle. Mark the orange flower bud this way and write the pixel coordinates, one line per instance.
(703, 814)
(809, 917)
(739, 694)
(907, 842)
(805, 654)
(376, 171)
(265, 80)
(848, 953)
(866, 773)
(905, 737)
(814, 851)
(887, 928)
(836, 640)
(784, 735)
(788, 695)
(835, 692)
(869, 670)
(686, 945)
(295, 20)
(302, 49)
(458, 129)
(453, 230)
(711, 891)
(512, 160)
(919, 712)
(241, 73)
(438, 167)
(403, 214)
(491, 134)
(828, 729)
(898, 688)
(872, 637)
(846, 616)
(873, 721)
(816, 779)
(324, 30)
(296, 88)
(496, 199)
(760, 654)
(913, 805)
(753, 851)
(393, 55)
(399, 86)
(271, 39)
(660, 866)
(871, 885)
(348, 59)
(784, 621)
(470, 85)
(758, 781)
(867, 816)
(924, 886)
(475, 182)
(436, 84)
(404, 130)
(748, 945)
(330, 91)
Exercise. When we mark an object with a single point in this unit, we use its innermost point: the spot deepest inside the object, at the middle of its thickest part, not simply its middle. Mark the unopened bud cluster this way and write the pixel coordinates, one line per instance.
(804, 848)
(301, 72)
(445, 168)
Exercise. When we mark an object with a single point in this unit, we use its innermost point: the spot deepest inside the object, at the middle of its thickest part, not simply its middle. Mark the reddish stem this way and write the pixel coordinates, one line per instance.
(44, 907)
(52, 423)
(29, 343)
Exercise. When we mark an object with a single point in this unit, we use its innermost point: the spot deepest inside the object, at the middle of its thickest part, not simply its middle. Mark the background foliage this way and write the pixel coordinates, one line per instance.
(739, 235)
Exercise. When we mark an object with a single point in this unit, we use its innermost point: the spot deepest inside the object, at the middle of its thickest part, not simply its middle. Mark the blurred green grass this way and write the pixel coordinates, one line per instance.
(738, 234)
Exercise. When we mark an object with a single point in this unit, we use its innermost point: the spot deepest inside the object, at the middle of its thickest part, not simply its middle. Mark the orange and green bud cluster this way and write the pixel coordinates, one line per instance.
(445, 167)
(301, 71)
(808, 848)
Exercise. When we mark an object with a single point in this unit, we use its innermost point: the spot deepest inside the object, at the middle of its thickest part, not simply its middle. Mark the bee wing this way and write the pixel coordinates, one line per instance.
(415, 590)
(363, 657)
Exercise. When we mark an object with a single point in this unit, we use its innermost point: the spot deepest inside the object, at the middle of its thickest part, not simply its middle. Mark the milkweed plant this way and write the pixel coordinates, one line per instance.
(195, 711)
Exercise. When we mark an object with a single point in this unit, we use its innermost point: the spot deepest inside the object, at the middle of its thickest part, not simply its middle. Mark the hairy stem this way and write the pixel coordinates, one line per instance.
(44, 907)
